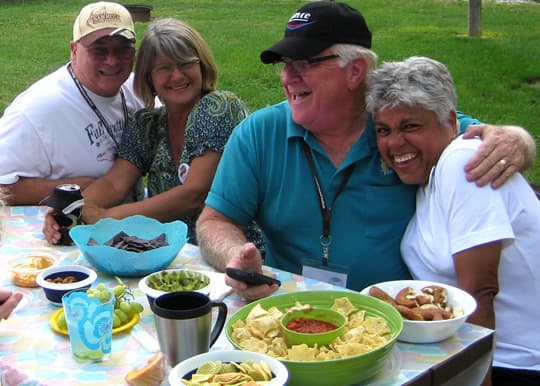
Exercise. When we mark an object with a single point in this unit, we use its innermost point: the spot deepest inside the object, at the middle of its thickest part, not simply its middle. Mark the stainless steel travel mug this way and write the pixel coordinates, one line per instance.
(184, 324)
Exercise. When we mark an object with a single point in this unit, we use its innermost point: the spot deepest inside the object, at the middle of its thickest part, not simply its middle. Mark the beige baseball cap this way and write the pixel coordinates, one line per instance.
(110, 19)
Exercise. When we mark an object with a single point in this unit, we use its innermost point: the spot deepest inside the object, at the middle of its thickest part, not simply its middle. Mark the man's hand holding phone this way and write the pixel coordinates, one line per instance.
(243, 274)
(251, 278)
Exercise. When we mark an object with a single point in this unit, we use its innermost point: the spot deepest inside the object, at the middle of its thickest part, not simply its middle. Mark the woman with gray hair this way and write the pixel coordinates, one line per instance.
(482, 240)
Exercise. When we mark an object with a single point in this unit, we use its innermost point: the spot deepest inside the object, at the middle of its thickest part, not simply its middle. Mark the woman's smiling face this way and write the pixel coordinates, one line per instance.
(411, 140)
(177, 83)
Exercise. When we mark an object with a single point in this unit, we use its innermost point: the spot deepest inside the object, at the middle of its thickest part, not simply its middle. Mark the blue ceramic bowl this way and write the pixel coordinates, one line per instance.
(83, 276)
(120, 262)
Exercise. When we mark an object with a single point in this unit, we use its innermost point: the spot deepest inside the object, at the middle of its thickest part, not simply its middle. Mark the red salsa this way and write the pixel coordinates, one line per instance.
(309, 326)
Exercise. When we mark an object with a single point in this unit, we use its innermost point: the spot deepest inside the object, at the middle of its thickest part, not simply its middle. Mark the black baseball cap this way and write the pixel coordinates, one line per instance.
(317, 26)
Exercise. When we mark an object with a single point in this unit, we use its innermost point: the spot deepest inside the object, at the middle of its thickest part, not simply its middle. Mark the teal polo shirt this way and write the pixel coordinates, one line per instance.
(264, 175)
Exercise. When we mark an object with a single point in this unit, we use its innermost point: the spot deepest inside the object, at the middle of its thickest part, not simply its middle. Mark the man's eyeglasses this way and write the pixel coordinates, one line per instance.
(300, 66)
(100, 54)
(168, 69)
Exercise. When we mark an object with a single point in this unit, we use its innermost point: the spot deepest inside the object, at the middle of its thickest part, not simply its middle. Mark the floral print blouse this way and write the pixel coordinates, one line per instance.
(209, 125)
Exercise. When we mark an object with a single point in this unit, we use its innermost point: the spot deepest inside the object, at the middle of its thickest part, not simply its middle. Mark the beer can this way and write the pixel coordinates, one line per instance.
(62, 196)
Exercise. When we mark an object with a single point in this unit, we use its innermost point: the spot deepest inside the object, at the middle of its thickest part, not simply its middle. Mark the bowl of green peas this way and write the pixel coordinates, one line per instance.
(171, 280)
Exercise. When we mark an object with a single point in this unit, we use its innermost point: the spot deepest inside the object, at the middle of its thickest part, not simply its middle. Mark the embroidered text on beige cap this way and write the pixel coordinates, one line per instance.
(111, 19)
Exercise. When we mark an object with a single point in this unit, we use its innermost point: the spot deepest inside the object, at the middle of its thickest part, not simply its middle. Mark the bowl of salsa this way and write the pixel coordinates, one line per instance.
(312, 326)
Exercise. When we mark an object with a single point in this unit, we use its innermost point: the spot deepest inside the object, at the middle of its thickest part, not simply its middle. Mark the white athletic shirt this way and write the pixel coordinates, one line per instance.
(49, 131)
(453, 215)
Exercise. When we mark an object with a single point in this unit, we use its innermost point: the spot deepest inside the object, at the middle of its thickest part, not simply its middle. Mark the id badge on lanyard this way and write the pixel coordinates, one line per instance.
(332, 273)
(324, 270)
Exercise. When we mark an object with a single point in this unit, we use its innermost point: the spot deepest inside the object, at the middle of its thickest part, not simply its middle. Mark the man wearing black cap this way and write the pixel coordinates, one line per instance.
(66, 127)
(308, 170)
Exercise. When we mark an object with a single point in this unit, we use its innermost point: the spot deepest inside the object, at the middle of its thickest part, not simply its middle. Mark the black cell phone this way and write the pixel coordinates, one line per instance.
(251, 278)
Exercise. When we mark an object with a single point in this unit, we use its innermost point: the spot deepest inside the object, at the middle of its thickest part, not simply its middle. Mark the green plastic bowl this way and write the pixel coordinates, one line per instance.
(311, 339)
(341, 372)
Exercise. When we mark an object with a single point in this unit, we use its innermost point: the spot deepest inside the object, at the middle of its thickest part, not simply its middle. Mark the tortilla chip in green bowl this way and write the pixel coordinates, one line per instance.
(371, 333)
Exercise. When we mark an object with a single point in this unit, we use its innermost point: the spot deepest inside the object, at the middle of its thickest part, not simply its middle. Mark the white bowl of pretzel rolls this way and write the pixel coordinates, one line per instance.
(431, 311)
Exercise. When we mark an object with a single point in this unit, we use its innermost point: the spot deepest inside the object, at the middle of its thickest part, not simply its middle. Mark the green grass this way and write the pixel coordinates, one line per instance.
(497, 76)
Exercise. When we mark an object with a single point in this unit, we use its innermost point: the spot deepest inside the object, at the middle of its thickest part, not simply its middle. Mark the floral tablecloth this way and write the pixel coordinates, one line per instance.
(32, 354)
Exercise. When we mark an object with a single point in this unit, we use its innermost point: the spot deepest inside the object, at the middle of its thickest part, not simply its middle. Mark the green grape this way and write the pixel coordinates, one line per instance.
(103, 296)
(119, 290)
(122, 315)
(126, 307)
(61, 321)
(100, 292)
(137, 307)
(117, 322)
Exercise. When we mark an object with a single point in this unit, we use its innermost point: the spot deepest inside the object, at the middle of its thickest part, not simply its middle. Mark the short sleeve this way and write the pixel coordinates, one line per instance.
(475, 215)
(212, 121)
(23, 151)
(465, 121)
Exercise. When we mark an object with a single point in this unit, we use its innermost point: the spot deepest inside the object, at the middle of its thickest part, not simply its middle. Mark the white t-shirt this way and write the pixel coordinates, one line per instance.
(49, 131)
(453, 215)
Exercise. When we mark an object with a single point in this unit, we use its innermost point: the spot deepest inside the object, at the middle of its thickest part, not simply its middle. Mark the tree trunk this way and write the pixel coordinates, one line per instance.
(475, 17)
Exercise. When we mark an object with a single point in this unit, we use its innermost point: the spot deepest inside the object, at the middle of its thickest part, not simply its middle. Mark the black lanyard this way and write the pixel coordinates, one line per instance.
(93, 106)
(326, 212)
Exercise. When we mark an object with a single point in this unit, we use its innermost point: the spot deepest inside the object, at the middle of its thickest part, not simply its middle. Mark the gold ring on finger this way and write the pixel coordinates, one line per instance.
(503, 162)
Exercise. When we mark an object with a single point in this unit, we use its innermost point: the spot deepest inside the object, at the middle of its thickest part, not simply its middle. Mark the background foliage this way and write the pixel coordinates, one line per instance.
(497, 76)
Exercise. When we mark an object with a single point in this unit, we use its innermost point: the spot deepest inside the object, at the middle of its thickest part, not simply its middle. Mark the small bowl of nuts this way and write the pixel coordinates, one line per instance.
(25, 269)
(58, 280)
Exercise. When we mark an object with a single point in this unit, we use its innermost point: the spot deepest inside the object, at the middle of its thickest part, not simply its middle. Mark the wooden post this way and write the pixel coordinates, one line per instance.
(475, 18)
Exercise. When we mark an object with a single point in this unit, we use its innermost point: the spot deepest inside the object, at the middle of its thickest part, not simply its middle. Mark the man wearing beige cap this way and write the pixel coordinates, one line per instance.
(66, 127)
